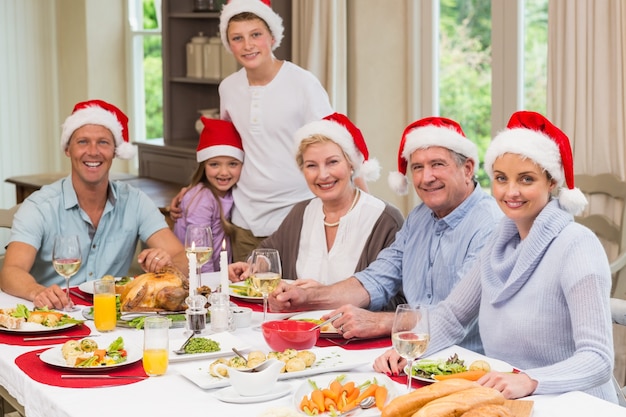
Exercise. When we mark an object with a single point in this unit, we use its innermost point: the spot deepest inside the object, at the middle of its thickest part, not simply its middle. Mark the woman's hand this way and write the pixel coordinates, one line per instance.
(238, 271)
(511, 385)
(175, 211)
(390, 363)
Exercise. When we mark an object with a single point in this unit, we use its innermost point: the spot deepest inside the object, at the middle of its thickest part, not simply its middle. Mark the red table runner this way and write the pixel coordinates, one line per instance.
(16, 338)
(36, 369)
(80, 297)
(357, 344)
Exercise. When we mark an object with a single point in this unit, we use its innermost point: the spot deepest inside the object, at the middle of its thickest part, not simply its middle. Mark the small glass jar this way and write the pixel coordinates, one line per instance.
(222, 319)
(196, 313)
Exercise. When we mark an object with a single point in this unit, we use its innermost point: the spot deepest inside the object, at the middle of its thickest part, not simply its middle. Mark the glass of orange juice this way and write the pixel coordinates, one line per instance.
(155, 345)
(104, 310)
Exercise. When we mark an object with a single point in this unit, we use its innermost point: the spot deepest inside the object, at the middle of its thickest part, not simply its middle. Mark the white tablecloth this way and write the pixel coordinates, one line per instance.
(173, 394)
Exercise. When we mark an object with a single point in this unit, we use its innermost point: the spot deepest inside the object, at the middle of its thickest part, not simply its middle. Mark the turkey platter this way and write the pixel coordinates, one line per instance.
(165, 290)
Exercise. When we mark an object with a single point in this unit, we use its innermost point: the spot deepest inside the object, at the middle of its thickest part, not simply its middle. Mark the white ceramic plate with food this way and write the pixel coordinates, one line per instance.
(314, 316)
(467, 356)
(37, 328)
(54, 357)
(236, 288)
(87, 286)
(328, 359)
(229, 395)
(226, 341)
(323, 381)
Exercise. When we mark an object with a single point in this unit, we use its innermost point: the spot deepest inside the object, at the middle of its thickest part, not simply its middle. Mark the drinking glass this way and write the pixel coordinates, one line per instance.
(66, 259)
(156, 345)
(199, 241)
(410, 335)
(265, 273)
(104, 309)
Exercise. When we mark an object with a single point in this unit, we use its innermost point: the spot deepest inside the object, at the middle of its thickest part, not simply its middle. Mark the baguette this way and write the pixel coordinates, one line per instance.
(407, 404)
(490, 410)
(454, 405)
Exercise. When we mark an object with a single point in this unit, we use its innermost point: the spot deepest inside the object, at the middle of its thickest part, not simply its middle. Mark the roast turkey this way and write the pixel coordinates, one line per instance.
(156, 291)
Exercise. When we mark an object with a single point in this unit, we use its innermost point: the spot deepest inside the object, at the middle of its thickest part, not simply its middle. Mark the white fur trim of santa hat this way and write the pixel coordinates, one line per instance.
(545, 151)
(368, 169)
(258, 7)
(93, 112)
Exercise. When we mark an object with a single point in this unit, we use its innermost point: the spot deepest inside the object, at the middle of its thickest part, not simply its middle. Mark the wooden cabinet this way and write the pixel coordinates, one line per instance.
(183, 97)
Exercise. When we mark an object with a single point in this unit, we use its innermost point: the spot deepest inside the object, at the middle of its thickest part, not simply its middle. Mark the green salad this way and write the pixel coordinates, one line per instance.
(426, 368)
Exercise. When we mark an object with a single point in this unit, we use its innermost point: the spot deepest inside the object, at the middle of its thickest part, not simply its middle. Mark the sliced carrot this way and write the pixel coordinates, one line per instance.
(367, 392)
(381, 396)
(329, 404)
(317, 398)
(329, 393)
(470, 375)
(100, 353)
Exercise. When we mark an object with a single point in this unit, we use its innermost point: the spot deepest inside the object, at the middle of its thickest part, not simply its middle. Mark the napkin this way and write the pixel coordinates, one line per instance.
(84, 300)
(39, 371)
(357, 344)
(415, 383)
(17, 338)
(243, 303)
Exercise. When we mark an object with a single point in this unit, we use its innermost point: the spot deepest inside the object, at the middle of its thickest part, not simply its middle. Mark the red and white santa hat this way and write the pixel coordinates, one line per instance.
(218, 138)
(426, 133)
(261, 8)
(532, 135)
(338, 128)
(98, 112)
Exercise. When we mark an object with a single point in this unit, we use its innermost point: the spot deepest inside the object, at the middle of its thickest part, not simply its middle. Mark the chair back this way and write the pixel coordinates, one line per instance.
(605, 228)
(6, 220)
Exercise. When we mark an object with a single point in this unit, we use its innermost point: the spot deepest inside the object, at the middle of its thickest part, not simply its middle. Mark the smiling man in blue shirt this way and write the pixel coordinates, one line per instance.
(108, 217)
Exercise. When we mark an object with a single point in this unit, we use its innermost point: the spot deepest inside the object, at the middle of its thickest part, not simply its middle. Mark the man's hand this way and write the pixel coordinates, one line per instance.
(175, 211)
(153, 259)
(287, 297)
(358, 322)
(52, 297)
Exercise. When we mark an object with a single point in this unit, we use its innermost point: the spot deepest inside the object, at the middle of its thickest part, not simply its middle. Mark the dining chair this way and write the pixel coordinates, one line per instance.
(6, 220)
(610, 190)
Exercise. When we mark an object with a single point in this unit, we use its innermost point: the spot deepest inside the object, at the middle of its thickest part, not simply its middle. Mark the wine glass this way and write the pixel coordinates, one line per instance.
(66, 259)
(265, 273)
(199, 241)
(410, 335)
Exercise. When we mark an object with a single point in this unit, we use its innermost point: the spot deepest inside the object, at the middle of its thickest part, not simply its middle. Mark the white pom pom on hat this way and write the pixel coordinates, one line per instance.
(218, 138)
(261, 8)
(532, 135)
(340, 129)
(98, 112)
(426, 133)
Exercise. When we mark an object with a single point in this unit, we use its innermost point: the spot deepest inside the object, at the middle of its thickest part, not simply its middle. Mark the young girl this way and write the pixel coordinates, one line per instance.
(209, 198)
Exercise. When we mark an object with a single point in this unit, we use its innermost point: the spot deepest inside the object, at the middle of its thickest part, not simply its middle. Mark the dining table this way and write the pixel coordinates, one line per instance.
(23, 377)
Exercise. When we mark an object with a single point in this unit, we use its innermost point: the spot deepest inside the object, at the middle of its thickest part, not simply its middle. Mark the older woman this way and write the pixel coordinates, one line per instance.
(342, 229)
(541, 287)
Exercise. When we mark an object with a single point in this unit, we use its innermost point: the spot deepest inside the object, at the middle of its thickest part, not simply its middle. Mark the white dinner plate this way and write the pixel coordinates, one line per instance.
(465, 355)
(226, 340)
(323, 381)
(229, 395)
(329, 359)
(315, 315)
(54, 356)
(37, 328)
(243, 297)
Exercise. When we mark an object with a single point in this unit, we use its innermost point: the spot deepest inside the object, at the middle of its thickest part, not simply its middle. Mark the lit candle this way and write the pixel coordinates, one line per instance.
(224, 268)
(193, 279)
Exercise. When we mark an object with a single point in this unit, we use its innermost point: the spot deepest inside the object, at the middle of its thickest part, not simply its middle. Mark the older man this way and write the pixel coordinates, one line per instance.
(438, 242)
(108, 217)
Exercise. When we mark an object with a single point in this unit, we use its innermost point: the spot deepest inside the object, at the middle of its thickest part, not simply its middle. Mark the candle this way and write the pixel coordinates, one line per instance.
(193, 279)
(224, 268)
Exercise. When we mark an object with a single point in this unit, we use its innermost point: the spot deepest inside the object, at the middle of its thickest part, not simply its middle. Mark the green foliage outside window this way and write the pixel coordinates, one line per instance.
(153, 74)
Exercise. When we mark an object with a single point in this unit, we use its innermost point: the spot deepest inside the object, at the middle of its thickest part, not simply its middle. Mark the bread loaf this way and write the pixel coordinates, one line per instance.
(407, 404)
(490, 410)
(454, 405)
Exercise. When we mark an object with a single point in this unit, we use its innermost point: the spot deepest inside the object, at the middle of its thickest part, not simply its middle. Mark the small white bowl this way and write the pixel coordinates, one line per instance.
(242, 316)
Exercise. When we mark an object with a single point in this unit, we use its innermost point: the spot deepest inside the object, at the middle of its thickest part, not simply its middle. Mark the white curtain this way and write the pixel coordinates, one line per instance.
(320, 45)
(586, 94)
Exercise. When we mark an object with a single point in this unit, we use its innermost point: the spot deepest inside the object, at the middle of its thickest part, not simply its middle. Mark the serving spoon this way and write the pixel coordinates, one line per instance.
(333, 318)
(367, 402)
(181, 350)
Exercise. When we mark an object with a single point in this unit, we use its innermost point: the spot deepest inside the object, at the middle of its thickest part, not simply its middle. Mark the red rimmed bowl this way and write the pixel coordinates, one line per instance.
(290, 334)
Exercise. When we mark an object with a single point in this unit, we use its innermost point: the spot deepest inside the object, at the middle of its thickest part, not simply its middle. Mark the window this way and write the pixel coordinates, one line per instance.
(480, 51)
(145, 69)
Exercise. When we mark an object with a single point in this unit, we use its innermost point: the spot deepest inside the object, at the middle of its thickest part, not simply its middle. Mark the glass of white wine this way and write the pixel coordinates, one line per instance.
(265, 273)
(199, 241)
(66, 259)
(410, 335)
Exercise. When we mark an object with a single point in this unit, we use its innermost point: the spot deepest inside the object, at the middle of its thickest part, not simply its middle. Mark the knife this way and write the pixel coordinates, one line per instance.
(29, 339)
(91, 376)
(82, 297)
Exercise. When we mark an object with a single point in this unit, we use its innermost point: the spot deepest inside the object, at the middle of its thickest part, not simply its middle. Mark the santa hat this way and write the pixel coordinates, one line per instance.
(218, 138)
(532, 135)
(98, 112)
(261, 8)
(426, 133)
(344, 133)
